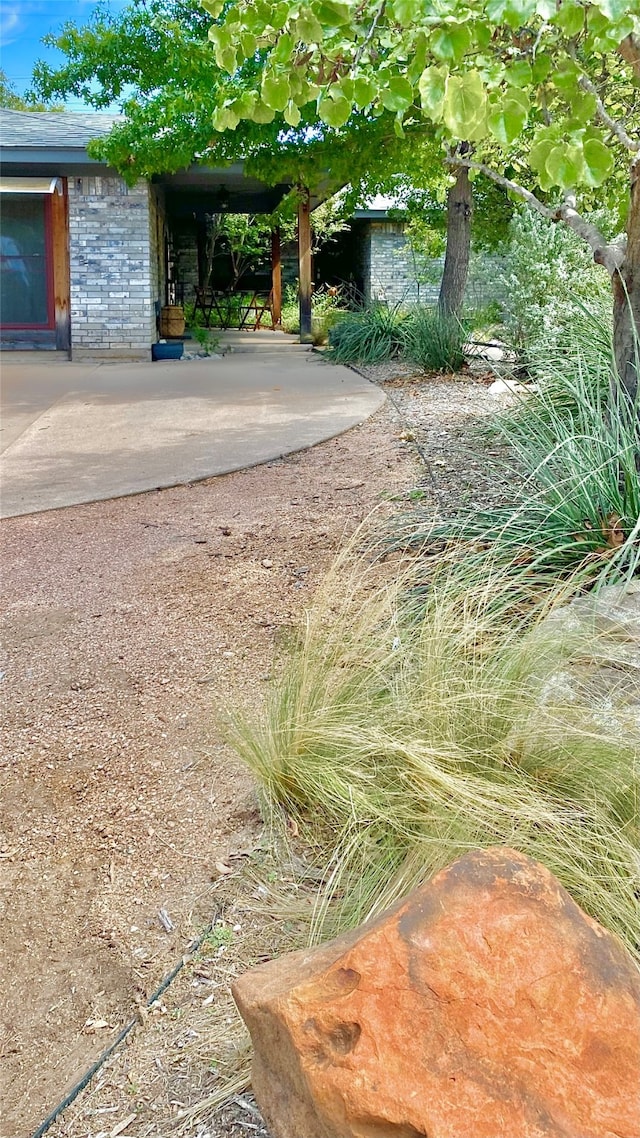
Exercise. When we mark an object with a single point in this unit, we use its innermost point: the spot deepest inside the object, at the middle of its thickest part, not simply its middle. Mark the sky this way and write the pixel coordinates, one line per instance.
(23, 23)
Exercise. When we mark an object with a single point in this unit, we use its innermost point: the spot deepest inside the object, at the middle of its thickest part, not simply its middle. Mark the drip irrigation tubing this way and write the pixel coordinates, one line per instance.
(113, 1046)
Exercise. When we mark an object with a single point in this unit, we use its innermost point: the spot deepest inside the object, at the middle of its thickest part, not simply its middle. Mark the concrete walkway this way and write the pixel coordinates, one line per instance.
(74, 433)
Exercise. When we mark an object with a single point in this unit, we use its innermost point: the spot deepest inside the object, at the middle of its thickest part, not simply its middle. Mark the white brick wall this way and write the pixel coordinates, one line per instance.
(111, 263)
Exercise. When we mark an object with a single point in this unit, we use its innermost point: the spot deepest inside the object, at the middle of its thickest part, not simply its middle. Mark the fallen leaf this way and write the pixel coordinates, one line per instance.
(612, 531)
(223, 868)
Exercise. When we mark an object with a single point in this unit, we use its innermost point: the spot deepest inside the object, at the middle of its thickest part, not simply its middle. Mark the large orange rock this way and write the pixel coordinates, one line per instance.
(486, 1005)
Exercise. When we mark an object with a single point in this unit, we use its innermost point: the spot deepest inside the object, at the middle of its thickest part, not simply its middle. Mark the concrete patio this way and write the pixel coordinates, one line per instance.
(73, 433)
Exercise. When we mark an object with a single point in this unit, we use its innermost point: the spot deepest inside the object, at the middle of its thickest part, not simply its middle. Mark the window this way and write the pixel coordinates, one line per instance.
(25, 262)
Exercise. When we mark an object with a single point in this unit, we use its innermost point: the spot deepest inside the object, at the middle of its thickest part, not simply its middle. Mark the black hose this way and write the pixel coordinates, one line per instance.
(88, 1075)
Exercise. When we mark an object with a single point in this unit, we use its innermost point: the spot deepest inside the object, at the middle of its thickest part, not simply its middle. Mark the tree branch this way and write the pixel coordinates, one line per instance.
(608, 254)
(616, 128)
(370, 34)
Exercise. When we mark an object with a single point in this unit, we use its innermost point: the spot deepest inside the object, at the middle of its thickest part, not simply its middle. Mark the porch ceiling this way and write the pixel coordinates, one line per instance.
(201, 190)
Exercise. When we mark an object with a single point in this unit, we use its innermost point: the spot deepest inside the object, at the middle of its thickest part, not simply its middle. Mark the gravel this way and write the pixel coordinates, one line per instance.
(128, 626)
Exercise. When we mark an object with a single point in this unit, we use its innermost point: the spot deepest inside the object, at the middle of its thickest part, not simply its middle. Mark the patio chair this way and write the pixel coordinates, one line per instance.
(253, 313)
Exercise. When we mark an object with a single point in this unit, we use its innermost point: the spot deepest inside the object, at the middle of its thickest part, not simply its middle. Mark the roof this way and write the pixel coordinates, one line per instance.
(377, 208)
(37, 142)
(31, 141)
(51, 129)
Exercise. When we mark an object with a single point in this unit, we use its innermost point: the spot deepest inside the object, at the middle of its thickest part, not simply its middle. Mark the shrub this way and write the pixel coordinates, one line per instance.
(369, 337)
(576, 504)
(327, 309)
(207, 340)
(433, 340)
(398, 743)
(548, 275)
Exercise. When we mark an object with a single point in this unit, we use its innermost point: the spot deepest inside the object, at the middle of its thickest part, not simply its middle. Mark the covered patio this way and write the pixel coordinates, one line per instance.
(194, 202)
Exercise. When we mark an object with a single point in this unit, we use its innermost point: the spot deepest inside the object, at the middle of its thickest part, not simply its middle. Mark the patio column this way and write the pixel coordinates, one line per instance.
(304, 264)
(276, 279)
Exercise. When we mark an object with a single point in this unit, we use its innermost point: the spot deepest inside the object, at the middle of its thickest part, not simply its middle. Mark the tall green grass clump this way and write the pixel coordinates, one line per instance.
(576, 464)
(371, 336)
(399, 741)
(433, 340)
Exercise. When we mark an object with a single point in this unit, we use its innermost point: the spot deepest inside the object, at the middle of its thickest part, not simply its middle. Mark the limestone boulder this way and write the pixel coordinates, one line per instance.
(485, 1005)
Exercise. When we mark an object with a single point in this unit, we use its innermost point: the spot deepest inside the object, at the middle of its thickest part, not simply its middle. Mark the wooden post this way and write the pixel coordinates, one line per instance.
(61, 278)
(304, 265)
(276, 280)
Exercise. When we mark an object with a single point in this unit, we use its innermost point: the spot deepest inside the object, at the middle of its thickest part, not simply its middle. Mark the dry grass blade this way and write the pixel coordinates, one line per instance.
(400, 736)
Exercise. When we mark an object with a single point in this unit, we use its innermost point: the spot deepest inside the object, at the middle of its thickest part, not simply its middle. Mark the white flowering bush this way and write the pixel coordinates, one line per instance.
(548, 278)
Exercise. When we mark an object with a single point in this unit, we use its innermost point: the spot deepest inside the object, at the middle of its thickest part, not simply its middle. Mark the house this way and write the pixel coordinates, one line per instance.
(87, 261)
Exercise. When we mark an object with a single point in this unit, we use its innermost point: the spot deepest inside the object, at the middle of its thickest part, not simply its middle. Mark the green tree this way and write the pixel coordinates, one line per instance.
(10, 98)
(513, 88)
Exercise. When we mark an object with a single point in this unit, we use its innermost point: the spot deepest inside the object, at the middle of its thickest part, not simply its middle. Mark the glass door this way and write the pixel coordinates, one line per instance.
(26, 279)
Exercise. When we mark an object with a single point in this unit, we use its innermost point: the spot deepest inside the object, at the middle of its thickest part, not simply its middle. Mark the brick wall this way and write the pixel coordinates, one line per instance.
(390, 271)
(184, 240)
(113, 278)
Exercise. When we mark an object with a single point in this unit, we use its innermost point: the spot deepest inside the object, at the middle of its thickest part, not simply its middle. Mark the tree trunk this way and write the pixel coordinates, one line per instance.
(456, 262)
(626, 302)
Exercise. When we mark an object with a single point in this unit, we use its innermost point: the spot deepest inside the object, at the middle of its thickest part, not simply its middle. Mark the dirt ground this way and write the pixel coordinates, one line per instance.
(129, 628)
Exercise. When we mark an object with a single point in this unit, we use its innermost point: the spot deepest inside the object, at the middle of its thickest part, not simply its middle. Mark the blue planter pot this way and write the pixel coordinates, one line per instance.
(167, 351)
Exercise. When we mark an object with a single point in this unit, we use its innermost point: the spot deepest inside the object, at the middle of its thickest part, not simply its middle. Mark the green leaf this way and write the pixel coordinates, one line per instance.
(465, 105)
(213, 7)
(511, 12)
(540, 67)
(248, 43)
(614, 10)
(450, 43)
(406, 12)
(244, 105)
(570, 18)
(227, 59)
(567, 76)
(331, 14)
(432, 86)
(398, 95)
(509, 117)
(565, 165)
(225, 119)
(334, 112)
(283, 50)
(292, 114)
(598, 161)
(418, 56)
(262, 113)
(278, 16)
(364, 92)
(308, 28)
(582, 105)
(538, 154)
(519, 74)
(275, 91)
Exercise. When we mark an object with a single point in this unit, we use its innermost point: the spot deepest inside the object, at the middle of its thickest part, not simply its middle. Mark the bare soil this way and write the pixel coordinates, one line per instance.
(130, 627)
